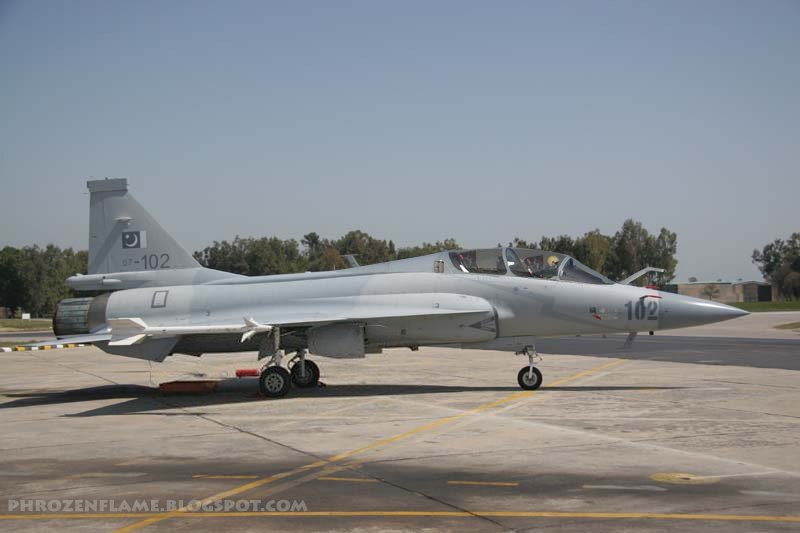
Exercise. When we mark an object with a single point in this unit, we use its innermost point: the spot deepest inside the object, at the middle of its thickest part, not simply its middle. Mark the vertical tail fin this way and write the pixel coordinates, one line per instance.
(123, 237)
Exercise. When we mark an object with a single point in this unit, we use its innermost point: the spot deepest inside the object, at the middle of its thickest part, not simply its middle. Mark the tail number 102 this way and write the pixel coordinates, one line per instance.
(155, 261)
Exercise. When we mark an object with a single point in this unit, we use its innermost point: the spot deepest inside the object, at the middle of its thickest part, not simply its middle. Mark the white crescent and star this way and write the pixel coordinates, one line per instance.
(131, 240)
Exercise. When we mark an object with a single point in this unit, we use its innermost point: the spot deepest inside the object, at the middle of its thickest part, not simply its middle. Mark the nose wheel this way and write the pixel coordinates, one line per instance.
(529, 377)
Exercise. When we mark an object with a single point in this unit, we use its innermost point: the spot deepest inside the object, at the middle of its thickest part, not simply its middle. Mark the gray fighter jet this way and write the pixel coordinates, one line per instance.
(157, 300)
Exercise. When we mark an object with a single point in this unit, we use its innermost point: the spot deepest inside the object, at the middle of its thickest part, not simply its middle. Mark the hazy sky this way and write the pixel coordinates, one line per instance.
(414, 121)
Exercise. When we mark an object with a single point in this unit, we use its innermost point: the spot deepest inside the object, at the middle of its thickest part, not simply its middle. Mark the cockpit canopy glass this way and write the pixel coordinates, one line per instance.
(487, 261)
(526, 263)
(574, 270)
(533, 263)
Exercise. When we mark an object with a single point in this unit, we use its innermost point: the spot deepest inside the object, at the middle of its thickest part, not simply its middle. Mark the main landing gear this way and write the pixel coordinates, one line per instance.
(275, 381)
(529, 377)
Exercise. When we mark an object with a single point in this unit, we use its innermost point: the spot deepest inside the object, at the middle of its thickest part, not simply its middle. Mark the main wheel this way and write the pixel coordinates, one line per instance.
(310, 379)
(529, 380)
(275, 382)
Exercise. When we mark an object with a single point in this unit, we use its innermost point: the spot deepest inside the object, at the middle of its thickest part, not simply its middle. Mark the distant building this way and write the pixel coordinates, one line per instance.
(724, 291)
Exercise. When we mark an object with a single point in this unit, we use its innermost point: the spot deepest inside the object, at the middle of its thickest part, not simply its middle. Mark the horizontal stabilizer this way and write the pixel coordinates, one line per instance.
(124, 324)
(128, 341)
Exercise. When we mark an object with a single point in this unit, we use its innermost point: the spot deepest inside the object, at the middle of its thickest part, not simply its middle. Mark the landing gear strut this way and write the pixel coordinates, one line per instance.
(305, 373)
(275, 381)
(529, 377)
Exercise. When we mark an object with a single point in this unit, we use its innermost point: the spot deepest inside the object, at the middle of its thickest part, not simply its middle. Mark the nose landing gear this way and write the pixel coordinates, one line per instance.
(529, 377)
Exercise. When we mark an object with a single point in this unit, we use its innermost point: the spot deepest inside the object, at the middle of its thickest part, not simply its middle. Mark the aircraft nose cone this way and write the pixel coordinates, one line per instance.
(683, 311)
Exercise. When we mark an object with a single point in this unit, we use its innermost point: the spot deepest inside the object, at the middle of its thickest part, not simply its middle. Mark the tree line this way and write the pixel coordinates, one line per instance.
(779, 262)
(627, 251)
(32, 278)
(617, 256)
(253, 256)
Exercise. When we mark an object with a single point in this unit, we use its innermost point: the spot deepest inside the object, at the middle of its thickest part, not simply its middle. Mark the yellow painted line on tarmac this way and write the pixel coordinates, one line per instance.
(445, 514)
(486, 483)
(376, 444)
(683, 478)
(586, 373)
(63, 516)
(210, 476)
(475, 410)
(353, 479)
(211, 499)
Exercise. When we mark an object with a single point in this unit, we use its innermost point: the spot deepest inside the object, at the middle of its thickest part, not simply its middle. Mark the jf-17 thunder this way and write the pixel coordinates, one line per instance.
(156, 300)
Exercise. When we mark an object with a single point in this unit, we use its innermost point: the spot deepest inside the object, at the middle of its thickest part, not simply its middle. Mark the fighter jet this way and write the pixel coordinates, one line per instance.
(157, 300)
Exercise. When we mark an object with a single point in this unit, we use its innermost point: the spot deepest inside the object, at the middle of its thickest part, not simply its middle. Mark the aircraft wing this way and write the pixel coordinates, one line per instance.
(309, 313)
(320, 311)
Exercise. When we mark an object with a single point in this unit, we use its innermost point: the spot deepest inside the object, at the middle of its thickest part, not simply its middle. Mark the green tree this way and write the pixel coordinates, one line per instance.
(778, 261)
(224, 255)
(563, 244)
(330, 259)
(366, 248)
(321, 254)
(665, 250)
(635, 248)
(427, 248)
(13, 285)
(271, 255)
(594, 249)
(254, 257)
(522, 243)
(32, 278)
(790, 287)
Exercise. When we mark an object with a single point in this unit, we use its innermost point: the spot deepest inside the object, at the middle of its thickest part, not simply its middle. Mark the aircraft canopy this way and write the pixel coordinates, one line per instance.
(526, 263)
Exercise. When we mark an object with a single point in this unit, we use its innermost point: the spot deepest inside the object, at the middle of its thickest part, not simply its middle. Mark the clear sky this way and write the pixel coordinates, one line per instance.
(414, 121)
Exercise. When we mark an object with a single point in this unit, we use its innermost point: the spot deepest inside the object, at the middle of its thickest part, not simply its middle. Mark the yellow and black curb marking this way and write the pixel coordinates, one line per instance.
(23, 348)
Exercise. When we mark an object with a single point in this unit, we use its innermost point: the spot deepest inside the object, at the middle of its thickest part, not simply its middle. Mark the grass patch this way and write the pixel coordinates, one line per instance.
(758, 307)
(16, 324)
(790, 325)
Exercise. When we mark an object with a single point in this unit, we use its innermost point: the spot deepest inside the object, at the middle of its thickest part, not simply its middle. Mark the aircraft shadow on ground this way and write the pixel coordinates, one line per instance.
(143, 399)
(755, 353)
